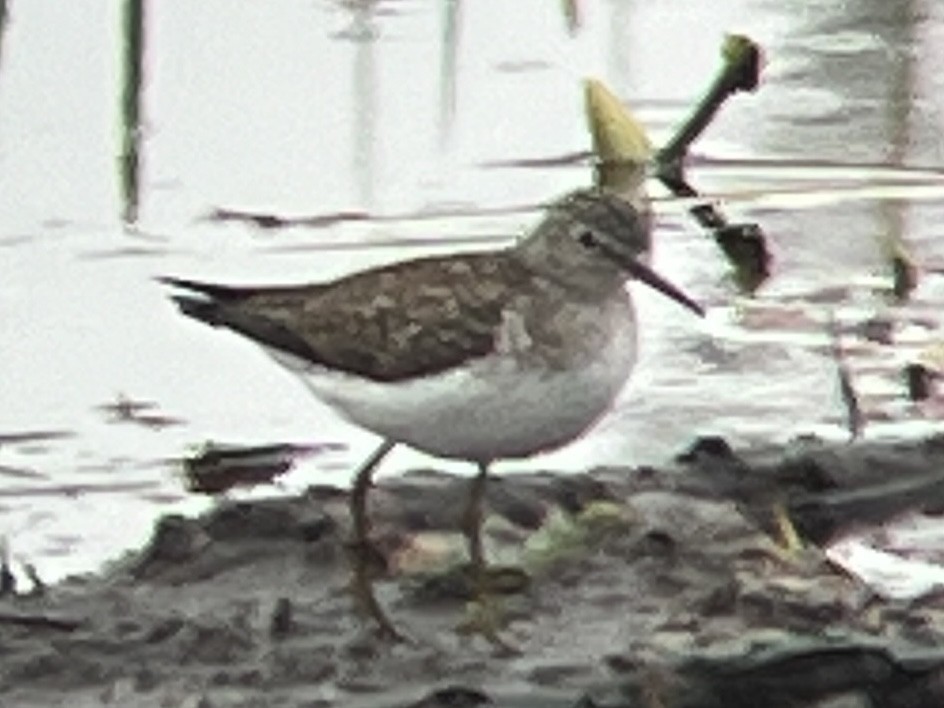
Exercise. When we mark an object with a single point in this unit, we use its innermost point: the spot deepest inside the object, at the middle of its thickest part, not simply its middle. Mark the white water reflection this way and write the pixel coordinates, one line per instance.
(276, 108)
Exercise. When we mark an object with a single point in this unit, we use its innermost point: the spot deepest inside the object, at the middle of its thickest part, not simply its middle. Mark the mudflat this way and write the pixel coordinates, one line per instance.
(619, 587)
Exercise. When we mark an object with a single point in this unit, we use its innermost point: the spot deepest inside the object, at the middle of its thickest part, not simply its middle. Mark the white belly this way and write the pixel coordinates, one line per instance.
(494, 408)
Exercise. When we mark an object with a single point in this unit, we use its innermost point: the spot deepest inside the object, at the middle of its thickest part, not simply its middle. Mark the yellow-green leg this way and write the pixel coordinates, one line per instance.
(361, 549)
(486, 616)
(472, 523)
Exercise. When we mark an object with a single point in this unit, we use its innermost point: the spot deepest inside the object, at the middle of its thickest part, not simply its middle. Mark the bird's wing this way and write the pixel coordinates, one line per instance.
(387, 324)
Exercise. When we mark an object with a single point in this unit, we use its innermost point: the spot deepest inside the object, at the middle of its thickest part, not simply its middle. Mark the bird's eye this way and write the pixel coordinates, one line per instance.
(587, 239)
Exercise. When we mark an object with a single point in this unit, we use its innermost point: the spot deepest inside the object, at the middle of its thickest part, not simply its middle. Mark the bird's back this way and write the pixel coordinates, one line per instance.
(389, 323)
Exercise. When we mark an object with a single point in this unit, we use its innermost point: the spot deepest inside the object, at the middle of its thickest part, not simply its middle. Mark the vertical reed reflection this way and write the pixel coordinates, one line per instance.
(3, 24)
(892, 213)
(129, 160)
(364, 34)
(448, 85)
(618, 43)
(572, 16)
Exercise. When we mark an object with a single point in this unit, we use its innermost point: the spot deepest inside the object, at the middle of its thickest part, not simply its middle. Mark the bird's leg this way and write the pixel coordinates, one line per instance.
(486, 619)
(362, 552)
(472, 524)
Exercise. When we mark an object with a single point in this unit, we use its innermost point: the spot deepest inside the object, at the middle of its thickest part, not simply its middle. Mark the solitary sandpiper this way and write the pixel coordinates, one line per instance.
(476, 356)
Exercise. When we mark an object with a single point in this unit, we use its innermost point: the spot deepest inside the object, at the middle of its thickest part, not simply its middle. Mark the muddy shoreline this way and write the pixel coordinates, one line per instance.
(647, 587)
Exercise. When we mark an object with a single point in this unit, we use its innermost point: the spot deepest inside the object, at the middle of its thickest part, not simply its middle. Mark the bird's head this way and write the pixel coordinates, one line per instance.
(592, 239)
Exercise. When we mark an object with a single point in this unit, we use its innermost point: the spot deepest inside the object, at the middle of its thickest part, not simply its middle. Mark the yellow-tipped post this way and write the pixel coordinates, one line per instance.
(620, 143)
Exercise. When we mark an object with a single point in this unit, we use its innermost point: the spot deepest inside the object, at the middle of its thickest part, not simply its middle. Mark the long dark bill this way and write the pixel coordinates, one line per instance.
(647, 275)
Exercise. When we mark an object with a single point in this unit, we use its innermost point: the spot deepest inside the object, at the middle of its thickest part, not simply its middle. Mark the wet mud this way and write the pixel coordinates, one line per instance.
(640, 587)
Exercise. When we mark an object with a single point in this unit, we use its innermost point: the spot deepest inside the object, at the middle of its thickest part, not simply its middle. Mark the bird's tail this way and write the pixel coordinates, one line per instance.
(226, 306)
(205, 301)
(206, 311)
(223, 293)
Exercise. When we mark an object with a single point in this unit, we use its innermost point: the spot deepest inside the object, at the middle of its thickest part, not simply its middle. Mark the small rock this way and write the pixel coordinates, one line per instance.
(281, 624)
(453, 697)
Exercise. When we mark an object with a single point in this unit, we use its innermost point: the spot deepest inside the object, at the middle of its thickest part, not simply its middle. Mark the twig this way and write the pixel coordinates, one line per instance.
(854, 418)
(741, 72)
(39, 587)
(41, 621)
(7, 579)
(743, 244)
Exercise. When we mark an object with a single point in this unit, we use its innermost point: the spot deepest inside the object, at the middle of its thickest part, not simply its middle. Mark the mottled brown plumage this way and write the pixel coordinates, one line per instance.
(397, 322)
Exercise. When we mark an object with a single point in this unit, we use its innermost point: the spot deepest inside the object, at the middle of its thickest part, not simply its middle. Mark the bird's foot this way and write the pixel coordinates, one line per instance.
(367, 563)
(485, 613)
(486, 617)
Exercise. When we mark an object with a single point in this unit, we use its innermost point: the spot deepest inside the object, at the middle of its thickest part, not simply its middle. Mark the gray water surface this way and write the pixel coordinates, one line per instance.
(403, 109)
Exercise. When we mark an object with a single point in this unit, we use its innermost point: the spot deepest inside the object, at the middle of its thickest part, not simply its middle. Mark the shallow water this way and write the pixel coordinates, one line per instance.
(407, 108)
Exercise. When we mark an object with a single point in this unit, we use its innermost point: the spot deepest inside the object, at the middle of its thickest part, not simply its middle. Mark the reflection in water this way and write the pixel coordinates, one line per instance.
(3, 23)
(620, 19)
(835, 93)
(844, 62)
(451, 29)
(364, 34)
(572, 17)
(892, 212)
(839, 89)
(129, 162)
